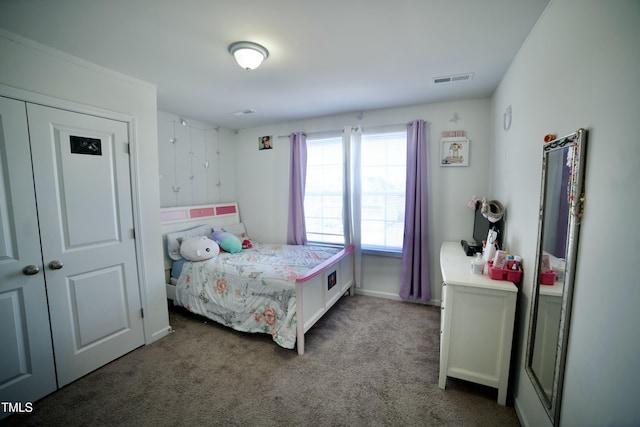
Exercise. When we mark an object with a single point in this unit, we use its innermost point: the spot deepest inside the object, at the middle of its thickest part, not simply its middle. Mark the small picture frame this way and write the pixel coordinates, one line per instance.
(265, 142)
(454, 151)
(82, 145)
(332, 280)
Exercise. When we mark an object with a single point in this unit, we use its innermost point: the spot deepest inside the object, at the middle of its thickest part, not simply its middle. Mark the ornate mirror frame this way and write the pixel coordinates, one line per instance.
(561, 209)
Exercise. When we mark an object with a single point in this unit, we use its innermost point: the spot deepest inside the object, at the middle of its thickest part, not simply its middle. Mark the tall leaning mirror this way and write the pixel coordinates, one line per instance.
(561, 209)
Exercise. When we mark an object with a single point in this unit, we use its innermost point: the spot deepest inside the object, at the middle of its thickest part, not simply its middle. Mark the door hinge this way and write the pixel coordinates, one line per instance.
(133, 233)
(128, 148)
(142, 312)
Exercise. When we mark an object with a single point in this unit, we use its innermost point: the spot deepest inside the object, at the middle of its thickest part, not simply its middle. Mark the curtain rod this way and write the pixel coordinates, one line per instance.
(373, 128)
(315, 133)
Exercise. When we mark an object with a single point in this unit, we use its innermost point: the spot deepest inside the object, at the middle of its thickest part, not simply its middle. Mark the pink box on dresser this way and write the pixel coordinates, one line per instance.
(504, 273)
(548, 278)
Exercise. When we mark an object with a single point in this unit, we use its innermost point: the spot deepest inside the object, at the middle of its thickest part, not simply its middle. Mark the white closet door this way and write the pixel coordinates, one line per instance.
(27, 371)
(82, 181)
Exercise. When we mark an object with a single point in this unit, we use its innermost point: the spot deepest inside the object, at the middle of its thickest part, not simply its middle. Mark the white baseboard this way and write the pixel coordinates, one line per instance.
(388, 295)
(378, 294)
(160, 334)
(521, 418)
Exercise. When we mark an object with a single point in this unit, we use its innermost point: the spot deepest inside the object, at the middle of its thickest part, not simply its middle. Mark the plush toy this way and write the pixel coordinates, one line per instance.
(198, 248)
(227, 241)
(246, 244)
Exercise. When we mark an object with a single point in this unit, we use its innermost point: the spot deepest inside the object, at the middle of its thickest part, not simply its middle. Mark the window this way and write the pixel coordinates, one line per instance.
(382, 193)
(323, 200)
(383, 183)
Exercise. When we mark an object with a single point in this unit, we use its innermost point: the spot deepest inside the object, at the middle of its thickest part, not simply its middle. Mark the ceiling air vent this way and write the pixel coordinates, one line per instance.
(455, 78)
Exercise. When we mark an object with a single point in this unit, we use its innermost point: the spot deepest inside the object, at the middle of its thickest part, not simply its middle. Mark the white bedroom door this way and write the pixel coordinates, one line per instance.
(27, 371)
(83, 190)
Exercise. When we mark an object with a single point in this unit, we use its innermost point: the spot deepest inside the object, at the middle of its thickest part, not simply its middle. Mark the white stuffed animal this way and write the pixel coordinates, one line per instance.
(198, 248)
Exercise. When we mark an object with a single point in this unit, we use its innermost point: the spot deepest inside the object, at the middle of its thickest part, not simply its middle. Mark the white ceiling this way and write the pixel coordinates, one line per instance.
(326, 56)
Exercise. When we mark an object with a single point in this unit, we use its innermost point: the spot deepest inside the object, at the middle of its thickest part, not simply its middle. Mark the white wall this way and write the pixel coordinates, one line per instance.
(197, 169)
(263, 177)
(580, 68)
(35, 68)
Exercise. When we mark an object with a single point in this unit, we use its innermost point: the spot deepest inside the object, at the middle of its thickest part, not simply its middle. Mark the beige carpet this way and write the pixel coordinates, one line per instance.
(368, 362)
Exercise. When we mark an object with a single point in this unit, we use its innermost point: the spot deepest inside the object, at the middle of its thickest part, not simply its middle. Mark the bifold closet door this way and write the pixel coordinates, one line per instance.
(27, 370)
(83, 190)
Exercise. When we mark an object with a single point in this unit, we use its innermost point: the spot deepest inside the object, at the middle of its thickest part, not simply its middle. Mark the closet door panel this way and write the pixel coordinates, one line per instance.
(27, 370)
(82, 181)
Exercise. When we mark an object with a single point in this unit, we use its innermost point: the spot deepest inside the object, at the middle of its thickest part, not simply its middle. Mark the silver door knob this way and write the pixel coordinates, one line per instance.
(55, 265)
(30, 270)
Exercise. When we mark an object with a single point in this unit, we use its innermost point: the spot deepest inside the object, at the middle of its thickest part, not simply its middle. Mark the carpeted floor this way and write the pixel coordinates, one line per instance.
(368, 362)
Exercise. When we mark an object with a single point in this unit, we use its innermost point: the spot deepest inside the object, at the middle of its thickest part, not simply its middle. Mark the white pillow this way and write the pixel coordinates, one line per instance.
(198, 248)
(173, 239)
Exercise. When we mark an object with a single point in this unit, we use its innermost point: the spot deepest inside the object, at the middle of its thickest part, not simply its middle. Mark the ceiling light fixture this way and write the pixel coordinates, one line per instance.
(244, 112)
(248, 55)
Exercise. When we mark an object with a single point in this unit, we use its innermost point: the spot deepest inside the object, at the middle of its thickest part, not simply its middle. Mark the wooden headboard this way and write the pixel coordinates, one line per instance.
(183, 217)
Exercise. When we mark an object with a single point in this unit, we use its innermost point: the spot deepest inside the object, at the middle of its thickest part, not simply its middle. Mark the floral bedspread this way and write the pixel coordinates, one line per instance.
(253, 290)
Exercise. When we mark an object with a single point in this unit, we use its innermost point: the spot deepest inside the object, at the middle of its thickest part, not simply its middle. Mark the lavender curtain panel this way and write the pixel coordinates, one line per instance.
(563, 221)
(414, 277)
(297, 230)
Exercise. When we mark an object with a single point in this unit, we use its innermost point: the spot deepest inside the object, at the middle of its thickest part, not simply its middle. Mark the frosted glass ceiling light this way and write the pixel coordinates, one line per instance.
(248, 55)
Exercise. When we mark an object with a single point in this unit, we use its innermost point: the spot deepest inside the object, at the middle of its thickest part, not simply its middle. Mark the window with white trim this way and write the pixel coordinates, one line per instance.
(382, 193)
(323, 199)
(383, 184)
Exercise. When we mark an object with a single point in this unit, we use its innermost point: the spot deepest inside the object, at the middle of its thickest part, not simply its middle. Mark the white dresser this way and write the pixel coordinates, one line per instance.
(476, 323)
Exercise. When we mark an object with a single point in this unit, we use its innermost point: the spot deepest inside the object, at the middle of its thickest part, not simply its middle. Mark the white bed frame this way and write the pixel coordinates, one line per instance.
(314, 296)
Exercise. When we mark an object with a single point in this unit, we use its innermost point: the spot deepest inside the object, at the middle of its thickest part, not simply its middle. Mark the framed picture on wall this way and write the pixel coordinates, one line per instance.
(265, 142)
(454, 151)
